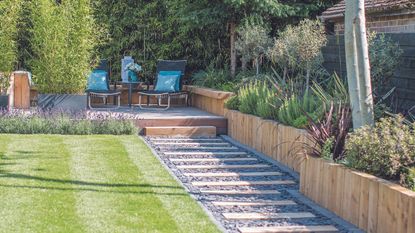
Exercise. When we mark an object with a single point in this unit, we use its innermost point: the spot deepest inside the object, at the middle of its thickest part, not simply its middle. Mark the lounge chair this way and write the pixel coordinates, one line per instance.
(168, 85)
(99, 86)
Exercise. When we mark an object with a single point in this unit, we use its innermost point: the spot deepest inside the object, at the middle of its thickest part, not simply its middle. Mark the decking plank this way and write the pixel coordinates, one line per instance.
(223, 166)
(243, 183)
(239, 192)
(232, 174)
(212, 159)
(260, 203)
(288, 229)
(260, 216)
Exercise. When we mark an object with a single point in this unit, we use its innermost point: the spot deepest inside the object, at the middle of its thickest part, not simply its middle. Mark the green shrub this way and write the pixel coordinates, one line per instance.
(387, 150)
(267, 103)
(219, 79)
(296, 110)
(9, 13)
(232, 103)
(63, 39)
(248, 98)
(63, 124)
(384, 55)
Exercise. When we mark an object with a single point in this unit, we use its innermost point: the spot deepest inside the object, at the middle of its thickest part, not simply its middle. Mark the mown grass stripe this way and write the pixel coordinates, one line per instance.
(40, 186)
(120, 199)
(187, 214)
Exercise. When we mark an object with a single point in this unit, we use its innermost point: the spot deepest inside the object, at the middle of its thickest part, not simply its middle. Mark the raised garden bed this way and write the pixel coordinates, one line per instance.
(371, 203)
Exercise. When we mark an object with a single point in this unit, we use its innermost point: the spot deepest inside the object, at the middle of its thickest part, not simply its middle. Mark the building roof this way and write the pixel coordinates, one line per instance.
(371, 6)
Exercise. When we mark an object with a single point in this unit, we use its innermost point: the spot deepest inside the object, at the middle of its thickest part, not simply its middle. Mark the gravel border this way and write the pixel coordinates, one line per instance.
(287, 192)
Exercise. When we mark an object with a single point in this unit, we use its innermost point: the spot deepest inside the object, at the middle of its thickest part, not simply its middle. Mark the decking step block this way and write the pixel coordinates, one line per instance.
(239, 192)
(208, 148)
(203, 153)
(223, 166)
(187, 139)
(192, 144)
(243, 183)
(288, 229)
(259, 203)
(265, 216)
(207, 131)
(232, 174)
(212, 159)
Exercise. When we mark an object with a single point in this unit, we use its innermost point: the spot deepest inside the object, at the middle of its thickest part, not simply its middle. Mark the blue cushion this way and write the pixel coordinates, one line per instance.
(173, 72)
(167, 83)
(97, 81)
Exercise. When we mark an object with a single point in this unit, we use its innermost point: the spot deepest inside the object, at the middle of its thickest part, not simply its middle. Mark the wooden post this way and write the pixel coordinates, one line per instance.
(20, 90)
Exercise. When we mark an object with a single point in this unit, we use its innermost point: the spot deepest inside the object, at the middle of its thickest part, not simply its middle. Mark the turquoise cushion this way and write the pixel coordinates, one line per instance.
(97, 81)
(167, 83)
(173, 72)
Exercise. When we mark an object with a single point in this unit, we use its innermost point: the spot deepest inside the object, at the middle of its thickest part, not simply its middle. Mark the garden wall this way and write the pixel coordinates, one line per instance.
(210, 100)
(404, 78)
(371, 203)
(280, 142)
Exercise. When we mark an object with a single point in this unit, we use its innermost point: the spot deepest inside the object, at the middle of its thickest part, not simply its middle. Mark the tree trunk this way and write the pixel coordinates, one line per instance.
(357, 62)
(232, 29)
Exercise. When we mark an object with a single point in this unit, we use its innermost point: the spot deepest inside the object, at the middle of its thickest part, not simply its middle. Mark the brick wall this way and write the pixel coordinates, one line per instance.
(387, 24)
(404, 76)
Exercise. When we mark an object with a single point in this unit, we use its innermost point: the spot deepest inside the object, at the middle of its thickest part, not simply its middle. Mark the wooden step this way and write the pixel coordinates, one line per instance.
(288, 229)
(207, 148)
(239, 192)
(259, 203)
(192, 144)
(206, 131)
(232, 174)
(187, 139)
(207, 153)
(242, 183)
(212, 160)
(264, 216)
(222, 166)
(220, 123)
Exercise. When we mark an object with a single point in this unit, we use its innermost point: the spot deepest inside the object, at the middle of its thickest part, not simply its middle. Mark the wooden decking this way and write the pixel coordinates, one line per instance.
(173, 117)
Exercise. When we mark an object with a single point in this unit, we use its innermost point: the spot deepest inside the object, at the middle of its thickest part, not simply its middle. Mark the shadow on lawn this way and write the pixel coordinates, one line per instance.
(85, 183)
(96, 190)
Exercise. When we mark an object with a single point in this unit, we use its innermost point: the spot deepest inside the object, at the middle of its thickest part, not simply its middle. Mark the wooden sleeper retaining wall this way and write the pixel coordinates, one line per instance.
(371, 203)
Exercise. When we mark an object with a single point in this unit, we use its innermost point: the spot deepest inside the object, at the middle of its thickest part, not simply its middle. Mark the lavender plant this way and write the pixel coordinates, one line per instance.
(63, 122)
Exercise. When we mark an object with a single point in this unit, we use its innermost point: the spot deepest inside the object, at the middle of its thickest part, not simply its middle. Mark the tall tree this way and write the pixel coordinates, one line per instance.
(230, 12)
(357, 62)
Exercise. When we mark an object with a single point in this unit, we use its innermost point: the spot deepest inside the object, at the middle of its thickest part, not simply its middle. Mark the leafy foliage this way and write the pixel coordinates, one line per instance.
(296, 110)
(232, 103)
(214, 78)
(297, 51)
(384, 55)
(252, 43)
(387, 150)
(62, 123)
(9, 13)
(63, 42)
(329, 133)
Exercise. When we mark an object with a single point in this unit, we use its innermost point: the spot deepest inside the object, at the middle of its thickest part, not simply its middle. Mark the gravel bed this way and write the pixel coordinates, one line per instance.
(207, 199)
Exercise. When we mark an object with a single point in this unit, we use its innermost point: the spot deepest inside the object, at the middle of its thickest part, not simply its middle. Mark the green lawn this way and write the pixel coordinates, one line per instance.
(90, 184)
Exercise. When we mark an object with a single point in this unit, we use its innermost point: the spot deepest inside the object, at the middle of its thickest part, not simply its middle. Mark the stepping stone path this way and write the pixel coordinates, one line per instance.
(243, 192)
